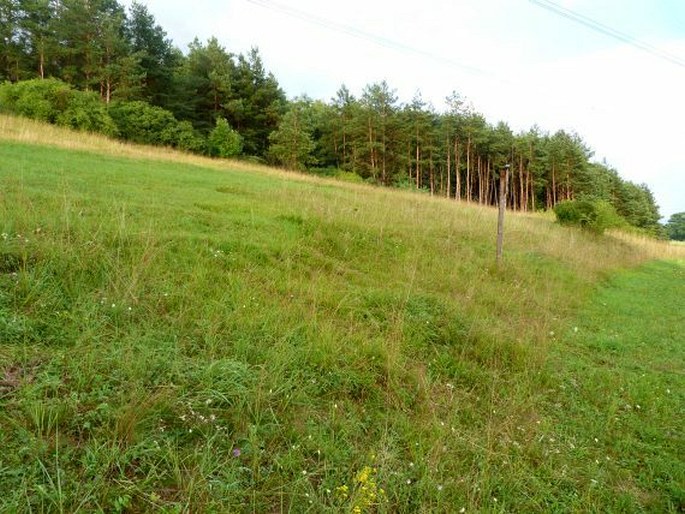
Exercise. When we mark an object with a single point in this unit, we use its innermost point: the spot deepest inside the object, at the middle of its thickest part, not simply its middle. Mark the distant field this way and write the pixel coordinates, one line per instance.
(186, 335)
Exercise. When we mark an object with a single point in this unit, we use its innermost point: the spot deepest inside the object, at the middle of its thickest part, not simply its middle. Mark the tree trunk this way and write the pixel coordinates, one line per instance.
(449, 168)
(384, 178)
(418, 167)
(468, 169)
(431, 172)
(457, 171)
(42, 63)
(481, 193)
(522, 192)
(372, 151)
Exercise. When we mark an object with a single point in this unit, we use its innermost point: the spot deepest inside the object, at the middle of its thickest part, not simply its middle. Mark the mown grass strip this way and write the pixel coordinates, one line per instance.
(620, 394)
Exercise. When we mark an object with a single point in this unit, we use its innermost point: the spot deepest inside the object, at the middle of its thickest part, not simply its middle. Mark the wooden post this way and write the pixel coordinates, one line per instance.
(503, 182)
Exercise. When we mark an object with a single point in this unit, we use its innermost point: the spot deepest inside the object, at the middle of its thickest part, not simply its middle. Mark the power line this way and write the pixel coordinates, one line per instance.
(402, 47)
(608, 31)
(368, 36)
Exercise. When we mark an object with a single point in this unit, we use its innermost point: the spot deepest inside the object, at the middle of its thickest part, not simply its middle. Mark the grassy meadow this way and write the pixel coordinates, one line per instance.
(179, 334)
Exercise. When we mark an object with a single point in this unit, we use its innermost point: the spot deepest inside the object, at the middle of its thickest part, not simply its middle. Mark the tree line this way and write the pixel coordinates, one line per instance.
(96, 66)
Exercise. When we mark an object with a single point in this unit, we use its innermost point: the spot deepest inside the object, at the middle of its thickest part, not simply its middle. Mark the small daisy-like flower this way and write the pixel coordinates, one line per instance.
(236, 452)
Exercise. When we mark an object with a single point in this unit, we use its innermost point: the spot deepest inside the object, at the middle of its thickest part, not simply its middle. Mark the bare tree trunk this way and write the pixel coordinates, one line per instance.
(468, 169)
(431, 172)
(532, 195)
(384, 177)
(522, 193)
(449, 169)
(409, 166)
(42, 63)
(486, 182)
(344, 141)
(372, 151)
(479, 166)
(418, 167)
(457, 171)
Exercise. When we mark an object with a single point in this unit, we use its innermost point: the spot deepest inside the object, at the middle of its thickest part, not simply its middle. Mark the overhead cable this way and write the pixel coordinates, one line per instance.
(609, 31)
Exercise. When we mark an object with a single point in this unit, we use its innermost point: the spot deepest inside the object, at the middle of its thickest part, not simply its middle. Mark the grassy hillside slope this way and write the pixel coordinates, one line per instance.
(187, 335)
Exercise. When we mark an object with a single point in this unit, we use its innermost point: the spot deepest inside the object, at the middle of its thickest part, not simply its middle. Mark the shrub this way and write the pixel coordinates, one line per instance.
(143, 123)
(85, 111)
(593, 215)
(224, 141)
(54, 101)
(37, 99)
(189, 139)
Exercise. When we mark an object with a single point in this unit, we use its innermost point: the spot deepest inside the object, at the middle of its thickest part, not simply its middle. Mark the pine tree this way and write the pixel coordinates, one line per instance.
(292, 143)
(158, 58)
(12, 50)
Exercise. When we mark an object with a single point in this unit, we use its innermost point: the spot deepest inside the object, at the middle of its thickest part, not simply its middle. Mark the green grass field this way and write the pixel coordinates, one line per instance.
(186, 335)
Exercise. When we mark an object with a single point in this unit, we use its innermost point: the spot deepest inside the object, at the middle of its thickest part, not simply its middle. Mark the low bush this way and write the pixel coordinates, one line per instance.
(224, 141)
(593, 215)
(37, 99)
(189, 139)
(143, 123)
(85, 111)
(56, 102)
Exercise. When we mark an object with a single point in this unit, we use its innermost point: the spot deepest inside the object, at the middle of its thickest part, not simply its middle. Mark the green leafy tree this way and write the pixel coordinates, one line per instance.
(379, 104)
(292, 144)
(636, 204)
(12, 60)
(158, 58)
(80, 27)
(120, 72)
(416, 122)
(341, 134)
(205, 78)
(257, 103)
(41, 46)
(223, 141)
(676, 226)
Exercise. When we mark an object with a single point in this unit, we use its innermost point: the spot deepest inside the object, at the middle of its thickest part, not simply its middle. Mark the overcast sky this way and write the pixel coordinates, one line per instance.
(514, 60)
